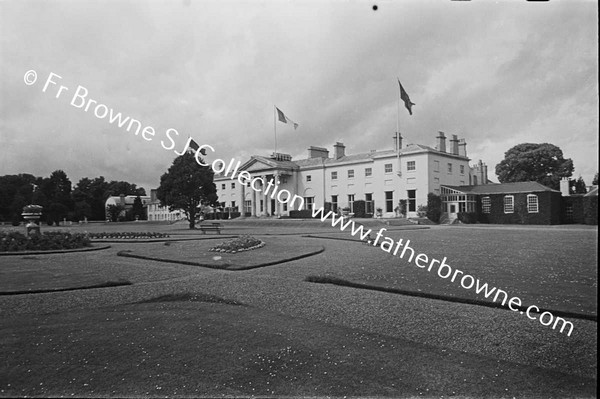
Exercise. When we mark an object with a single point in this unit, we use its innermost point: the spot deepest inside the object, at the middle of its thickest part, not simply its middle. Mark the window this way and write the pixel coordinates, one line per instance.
(411, 165)
(369, 203)
(532, 203)
(351, 202)
(233, 206)
(436, 180)
(368, 172)
(232, 185)
(308, 178)
(486, 205)
(262, 206)
(350, 173)
(309, 202)
(449, 168)
(389, 201)
(223, 186)
(570, 213)
(333, 175)
(388, 168)
(436, 166)
(412, 200)
(334, 203)
(462, 169)
(509, 203)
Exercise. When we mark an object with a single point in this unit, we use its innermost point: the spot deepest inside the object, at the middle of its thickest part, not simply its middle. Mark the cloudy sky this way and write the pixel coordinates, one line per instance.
(496, 73)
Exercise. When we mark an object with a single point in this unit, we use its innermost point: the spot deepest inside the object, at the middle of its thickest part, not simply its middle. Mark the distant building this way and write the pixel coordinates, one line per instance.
(156, 212)
(381, 178)
(126, 201)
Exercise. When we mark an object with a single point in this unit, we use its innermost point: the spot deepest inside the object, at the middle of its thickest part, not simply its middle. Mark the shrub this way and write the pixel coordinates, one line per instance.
(15, 241)
(422, 211)
(240, 244)
(126, 235)
(303, 214)
(359, 209)
(434, 207)
(467, 217)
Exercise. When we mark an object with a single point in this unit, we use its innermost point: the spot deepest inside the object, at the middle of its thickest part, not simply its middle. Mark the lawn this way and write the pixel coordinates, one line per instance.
(276, 250)
(555, 269)
(195, 345)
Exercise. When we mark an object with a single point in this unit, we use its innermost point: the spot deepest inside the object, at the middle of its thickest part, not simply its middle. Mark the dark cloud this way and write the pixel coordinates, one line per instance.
(495, 73)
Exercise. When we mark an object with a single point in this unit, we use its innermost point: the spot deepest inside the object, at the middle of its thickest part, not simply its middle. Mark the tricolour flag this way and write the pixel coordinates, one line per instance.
(194, 146)
(404, 96)
(282, 118)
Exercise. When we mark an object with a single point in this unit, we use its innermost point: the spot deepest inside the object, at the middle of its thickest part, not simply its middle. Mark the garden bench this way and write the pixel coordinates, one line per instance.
(211, 227)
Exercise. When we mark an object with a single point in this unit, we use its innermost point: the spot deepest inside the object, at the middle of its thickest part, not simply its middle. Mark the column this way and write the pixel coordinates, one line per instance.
(277, 204)
(264, 196)
(243, 202)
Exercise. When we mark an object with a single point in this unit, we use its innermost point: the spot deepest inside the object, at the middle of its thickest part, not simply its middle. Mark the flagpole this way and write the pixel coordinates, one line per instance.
(275, 128)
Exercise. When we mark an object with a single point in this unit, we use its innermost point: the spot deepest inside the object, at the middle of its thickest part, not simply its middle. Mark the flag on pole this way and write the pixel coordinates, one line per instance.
(404, 96)
(194, 146)
(282, 118)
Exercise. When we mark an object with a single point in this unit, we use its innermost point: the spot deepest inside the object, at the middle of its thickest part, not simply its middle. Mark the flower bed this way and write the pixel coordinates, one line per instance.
(240, 244)
(126, 236)
(14, 241)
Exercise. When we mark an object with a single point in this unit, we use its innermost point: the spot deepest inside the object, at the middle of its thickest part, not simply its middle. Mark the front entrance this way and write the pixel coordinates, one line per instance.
(452, 209)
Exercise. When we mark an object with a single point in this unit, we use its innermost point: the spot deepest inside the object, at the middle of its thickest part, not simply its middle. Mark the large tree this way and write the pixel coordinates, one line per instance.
(186, 186)
(543, 163)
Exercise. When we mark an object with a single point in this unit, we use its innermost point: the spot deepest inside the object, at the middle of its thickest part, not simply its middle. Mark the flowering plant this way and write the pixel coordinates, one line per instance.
(240, 244)
(15, 241)
(126, 236)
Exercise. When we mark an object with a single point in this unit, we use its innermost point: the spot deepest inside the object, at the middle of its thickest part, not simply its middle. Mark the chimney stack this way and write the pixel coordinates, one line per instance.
(397, 141)
(441, 145)
(318, 152)
(454, 144)
(462, 148)
(564, 187)
(339, 150)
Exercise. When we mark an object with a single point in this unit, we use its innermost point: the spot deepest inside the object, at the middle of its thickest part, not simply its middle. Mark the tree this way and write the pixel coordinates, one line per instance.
(114, 212)
(595, 181)
(434, 207)
(186, 186)
(543, 163)
(137, 211)
(578, 186)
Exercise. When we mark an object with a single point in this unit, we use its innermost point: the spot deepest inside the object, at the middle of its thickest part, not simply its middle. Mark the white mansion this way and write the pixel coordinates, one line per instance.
(380, 178)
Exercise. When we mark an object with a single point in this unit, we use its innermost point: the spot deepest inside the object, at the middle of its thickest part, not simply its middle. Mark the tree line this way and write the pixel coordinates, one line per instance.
(59, 199)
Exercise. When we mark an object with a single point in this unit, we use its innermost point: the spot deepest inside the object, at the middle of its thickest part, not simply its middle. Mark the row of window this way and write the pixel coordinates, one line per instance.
(436, 167)
(388, 168)
(509, 204)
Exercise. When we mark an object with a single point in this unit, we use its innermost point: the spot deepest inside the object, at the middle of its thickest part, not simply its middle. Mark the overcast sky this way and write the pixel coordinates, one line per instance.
(496, 74)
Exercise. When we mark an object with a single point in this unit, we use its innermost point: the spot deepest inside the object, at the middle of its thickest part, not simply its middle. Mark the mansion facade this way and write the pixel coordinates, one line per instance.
(380, 178)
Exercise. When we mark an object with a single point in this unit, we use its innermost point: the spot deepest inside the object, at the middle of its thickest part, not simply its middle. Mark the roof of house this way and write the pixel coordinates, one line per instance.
(504, 188)
(593, 192)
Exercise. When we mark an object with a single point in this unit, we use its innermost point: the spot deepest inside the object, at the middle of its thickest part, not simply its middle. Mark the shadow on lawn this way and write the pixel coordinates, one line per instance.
(447, 298)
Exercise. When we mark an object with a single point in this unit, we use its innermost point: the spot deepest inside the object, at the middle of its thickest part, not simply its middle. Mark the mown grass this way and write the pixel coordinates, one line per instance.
(192, 345)
(276, 250)
(554, 269)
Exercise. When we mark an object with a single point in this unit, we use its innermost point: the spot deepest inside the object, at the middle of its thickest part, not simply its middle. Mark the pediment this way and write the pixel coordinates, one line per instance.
(257, 165)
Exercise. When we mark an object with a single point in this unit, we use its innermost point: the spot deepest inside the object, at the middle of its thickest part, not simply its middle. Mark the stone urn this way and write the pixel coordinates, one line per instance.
(32, 213)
